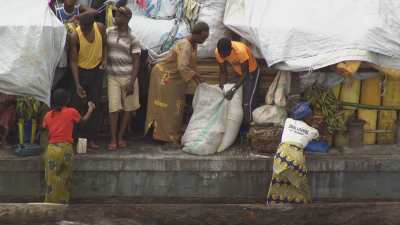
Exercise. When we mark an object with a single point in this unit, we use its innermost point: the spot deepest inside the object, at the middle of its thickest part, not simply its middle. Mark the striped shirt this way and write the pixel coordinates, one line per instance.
(120, 49)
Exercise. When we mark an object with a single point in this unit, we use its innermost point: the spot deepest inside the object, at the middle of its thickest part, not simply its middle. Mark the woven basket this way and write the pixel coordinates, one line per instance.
(265, 140)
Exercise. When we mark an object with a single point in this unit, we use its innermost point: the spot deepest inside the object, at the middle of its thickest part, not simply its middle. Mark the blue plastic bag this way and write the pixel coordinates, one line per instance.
(317, 146)
(301, 110)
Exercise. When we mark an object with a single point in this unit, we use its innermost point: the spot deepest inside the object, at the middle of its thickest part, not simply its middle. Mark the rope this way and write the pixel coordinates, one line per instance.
(383, 90)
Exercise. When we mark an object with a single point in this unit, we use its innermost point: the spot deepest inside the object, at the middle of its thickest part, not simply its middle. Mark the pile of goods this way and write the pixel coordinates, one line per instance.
(158, 24)
(265, 134)
(326, 108)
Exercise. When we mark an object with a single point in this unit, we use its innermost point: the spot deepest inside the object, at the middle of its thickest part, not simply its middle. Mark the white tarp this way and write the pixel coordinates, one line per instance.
(313, 34)
(32, 40)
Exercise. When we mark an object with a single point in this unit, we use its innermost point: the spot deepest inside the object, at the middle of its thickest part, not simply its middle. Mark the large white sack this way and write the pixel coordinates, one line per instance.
(233, 119)
(315, 34)
(279, 89)
(269, 114)
(206, 126)
(158, 36)
(212, 12)
(214, 124)
(32, 41)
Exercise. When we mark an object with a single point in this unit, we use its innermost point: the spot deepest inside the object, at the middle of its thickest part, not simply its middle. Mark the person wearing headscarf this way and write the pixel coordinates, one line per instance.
(289, 183)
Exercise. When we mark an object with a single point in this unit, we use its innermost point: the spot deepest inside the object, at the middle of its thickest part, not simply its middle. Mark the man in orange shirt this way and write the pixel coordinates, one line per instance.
(244, 64)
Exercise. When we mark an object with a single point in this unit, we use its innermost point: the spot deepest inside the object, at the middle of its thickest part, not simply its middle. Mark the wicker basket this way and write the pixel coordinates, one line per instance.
(265, 140)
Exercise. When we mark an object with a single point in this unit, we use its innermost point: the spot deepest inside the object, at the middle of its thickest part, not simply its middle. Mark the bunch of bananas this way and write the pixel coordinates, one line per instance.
(325, 102)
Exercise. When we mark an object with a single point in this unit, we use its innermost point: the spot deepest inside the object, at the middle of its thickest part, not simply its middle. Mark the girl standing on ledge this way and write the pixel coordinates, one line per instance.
(60, 121)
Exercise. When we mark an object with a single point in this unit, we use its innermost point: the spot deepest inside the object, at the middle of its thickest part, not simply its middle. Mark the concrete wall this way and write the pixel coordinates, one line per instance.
(232, 178)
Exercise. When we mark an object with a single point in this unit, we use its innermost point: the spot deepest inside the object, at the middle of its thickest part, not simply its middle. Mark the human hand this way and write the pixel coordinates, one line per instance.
(130, 88)
(91, 106)
(80, 91)
(197, 78)
(229, 94)
(103, 65)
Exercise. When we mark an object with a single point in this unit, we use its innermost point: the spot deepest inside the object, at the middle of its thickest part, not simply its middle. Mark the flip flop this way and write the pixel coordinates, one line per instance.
(112, 147)
(123, 144)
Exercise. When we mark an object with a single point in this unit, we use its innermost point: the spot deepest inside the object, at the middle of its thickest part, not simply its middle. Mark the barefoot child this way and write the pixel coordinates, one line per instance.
(58, 158)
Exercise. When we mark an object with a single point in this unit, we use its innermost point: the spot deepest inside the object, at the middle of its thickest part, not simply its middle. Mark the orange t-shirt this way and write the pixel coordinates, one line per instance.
(61, 124)
(240, 54)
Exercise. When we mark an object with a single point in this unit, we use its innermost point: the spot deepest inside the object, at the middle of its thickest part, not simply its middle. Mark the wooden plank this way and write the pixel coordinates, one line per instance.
(387, 119)
(350, 92)
(370, 95)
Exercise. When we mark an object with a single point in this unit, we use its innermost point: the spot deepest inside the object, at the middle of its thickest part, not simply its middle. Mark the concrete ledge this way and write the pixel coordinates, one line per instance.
(148, 172)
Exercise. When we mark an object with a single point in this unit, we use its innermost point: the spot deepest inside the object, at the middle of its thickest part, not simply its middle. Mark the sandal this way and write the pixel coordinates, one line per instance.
(112, 147)
(123, 144)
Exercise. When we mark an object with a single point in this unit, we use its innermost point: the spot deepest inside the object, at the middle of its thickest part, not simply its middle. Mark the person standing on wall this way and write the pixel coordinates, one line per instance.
(68, 13)
(87, 58)
(123, 56)
(247, 73)
(168, 81)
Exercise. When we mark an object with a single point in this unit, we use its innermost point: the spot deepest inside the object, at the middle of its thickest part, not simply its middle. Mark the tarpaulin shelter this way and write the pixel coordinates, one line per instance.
(31, 43)
(307, 34)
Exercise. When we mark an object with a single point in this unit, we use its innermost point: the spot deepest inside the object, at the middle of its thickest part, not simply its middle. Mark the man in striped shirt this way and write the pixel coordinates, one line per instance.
(123, 55)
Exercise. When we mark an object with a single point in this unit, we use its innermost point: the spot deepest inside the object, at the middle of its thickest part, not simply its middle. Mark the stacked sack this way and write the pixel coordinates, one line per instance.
(212, 12)
(158, 24)
(265, 134)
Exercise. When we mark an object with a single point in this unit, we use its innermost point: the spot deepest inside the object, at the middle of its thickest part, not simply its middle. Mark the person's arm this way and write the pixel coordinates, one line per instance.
(245, 75)
(73, 55)
(135, 71)
(239, 83)
(91, 108)
(135, 51)
(83, 9)
(184, 56)
(223, 74)
(45, 122)
(104, 39)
